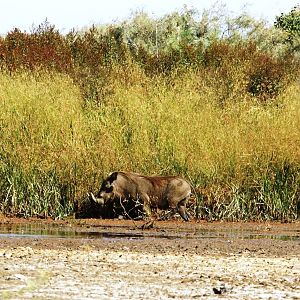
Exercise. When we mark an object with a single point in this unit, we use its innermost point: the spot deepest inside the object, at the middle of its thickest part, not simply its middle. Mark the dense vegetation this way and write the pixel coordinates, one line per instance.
(213, 98)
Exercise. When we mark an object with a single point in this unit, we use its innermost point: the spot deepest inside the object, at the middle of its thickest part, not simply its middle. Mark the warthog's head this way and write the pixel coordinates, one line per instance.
(106, 192)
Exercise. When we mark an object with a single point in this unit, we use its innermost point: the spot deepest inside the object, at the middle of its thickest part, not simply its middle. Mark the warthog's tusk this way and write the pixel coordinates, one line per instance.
(93, 197)
(97, 200)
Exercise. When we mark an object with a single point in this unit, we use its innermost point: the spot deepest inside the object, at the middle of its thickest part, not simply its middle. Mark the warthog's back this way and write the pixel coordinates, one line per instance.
(169, 189)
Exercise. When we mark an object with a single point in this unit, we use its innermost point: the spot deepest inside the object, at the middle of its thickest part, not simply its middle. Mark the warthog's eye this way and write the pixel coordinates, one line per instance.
(109, 189)
(106, 187)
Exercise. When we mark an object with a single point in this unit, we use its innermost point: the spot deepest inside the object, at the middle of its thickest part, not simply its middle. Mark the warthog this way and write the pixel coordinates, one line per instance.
(163, 192)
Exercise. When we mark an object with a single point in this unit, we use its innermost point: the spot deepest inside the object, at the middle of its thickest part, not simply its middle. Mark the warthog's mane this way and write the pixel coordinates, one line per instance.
(154, 180)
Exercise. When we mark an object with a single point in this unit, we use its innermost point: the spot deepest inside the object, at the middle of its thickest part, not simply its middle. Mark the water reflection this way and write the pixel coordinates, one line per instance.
(48, 231)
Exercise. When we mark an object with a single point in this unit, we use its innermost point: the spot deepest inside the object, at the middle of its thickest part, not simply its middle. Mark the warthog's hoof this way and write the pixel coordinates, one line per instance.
(148, 225)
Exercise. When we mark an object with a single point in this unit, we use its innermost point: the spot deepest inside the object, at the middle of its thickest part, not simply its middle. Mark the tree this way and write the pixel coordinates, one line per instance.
(290, 23)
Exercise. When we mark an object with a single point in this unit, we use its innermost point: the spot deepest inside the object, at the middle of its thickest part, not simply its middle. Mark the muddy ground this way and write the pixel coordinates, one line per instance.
(116, 259)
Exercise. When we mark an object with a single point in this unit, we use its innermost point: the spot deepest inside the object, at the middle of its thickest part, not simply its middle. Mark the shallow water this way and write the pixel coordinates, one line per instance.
(47, 231)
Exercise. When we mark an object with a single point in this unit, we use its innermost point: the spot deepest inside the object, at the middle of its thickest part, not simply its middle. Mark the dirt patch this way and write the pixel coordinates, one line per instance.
(115, 259)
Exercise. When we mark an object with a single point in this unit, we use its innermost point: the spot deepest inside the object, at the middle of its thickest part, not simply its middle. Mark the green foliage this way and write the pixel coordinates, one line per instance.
(290, 23)
(34, 192)
(274, 194)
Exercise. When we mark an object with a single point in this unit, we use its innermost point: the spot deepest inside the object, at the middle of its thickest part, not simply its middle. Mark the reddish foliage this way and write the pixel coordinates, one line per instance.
(90, 57)
(44, 48)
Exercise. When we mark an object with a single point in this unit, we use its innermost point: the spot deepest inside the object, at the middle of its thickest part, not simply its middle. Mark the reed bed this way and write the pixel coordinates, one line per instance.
(242, 158)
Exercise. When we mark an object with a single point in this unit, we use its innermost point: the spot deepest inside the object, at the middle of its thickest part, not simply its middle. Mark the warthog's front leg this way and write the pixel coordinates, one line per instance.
(146, 205)
(181, 208)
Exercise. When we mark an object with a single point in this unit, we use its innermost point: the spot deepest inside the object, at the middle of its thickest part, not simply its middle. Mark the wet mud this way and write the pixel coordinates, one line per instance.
(117, 259)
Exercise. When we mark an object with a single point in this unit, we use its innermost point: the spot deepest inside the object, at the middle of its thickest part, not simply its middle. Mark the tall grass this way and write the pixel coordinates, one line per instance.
(242, 158)
(39, 126)
(158, 96)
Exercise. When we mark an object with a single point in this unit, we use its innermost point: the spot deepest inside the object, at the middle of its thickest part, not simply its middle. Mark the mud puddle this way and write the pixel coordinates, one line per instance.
(116, 259)
(37, 231)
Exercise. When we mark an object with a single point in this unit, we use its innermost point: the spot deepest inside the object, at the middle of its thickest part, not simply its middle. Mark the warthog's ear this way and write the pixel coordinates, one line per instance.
(112, 177)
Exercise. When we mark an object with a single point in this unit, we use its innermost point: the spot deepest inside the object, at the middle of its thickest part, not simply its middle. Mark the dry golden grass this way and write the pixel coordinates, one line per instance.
(149, 126)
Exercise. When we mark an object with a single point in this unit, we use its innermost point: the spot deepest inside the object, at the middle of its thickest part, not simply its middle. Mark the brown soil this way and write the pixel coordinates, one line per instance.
(116, 259)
